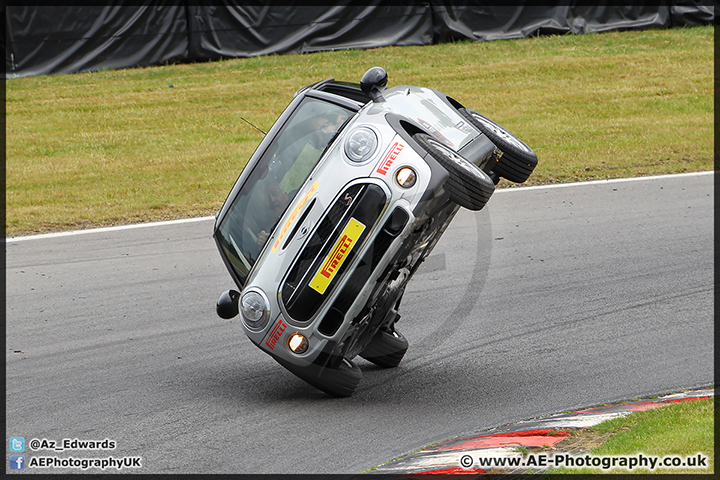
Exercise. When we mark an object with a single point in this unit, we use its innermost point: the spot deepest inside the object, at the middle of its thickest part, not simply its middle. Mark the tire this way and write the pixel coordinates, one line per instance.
(518, 160)
(467, 185)
(386, 349)
(337, 382)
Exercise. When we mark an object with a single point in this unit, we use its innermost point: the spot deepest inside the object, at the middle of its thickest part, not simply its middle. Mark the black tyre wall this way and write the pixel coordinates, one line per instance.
(467, 185)
(338, 382)
(518, 160)
(386, 349)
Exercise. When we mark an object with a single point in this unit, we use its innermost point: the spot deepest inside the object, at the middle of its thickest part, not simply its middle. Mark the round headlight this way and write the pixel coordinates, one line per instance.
(255, 309)
(298, 343)
(406, 177)
(361, 144)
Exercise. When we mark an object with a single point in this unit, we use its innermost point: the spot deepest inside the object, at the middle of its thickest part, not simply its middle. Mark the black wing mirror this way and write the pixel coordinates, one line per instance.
(373, 83)
(227, 304)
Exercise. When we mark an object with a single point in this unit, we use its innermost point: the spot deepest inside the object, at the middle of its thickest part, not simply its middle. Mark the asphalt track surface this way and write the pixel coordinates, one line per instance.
(550, 299)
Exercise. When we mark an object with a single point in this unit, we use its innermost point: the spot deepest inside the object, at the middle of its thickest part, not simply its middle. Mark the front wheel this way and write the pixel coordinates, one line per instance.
(518, 160)
(338, 382)
(467, 185)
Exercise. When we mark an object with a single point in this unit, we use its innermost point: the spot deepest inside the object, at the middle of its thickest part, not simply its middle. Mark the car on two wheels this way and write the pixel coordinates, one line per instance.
(347, 194)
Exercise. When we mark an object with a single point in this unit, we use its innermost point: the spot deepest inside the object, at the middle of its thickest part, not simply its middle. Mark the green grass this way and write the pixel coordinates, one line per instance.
(116, 147)
(683, 429)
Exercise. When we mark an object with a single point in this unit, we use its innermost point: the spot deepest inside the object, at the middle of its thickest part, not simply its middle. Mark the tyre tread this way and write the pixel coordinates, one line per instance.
(468, 185)
(515, 164)
(386, 350)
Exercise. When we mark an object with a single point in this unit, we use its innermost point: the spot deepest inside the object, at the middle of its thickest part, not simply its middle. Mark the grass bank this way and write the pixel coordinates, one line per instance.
(682, 430)
(117, 147)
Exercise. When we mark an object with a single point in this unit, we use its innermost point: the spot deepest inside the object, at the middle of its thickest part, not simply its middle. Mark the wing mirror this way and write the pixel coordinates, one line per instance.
(227, 304)
(373, 83)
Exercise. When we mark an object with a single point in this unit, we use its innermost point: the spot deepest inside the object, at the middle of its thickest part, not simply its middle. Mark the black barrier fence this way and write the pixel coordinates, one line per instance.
(67, 39)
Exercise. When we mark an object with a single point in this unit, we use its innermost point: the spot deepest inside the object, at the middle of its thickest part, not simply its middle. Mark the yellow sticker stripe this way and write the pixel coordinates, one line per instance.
(293, 216)
(337, 256)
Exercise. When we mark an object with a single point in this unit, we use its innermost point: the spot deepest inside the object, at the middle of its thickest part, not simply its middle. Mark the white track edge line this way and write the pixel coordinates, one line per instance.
(107, 229)
(605, 182)
(202, 219)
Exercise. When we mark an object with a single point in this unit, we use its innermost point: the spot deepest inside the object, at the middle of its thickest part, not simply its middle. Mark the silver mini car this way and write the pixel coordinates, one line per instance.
(342, 201)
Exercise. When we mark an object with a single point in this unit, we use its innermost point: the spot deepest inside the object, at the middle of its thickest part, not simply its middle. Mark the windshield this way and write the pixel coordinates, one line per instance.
(275, 181)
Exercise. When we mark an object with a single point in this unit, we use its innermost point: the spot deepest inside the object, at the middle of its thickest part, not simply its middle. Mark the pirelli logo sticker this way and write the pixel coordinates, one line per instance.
(337, 256)
(293, 216)
(275, 334)
(389, 158)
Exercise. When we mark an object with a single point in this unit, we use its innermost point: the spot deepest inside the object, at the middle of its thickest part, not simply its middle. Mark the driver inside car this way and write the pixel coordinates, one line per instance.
(323, 127)
(274, 201)
(282, 184)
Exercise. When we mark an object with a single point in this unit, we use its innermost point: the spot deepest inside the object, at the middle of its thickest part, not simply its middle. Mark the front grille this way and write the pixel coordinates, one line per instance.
(367, 264)
(362, 202)
(311, 250)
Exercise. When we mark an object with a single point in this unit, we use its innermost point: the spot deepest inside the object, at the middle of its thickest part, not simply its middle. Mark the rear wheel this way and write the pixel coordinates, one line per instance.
(467, 185)
(386, 349)
(518, 160)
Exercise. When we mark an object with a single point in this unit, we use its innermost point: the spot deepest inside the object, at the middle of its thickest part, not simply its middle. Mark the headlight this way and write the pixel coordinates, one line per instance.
(406, 177)
(298, 343)
(255, 309)
(361, 144)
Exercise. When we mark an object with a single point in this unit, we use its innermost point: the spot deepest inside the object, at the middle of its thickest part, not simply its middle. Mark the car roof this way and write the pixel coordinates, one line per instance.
(348, 90)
